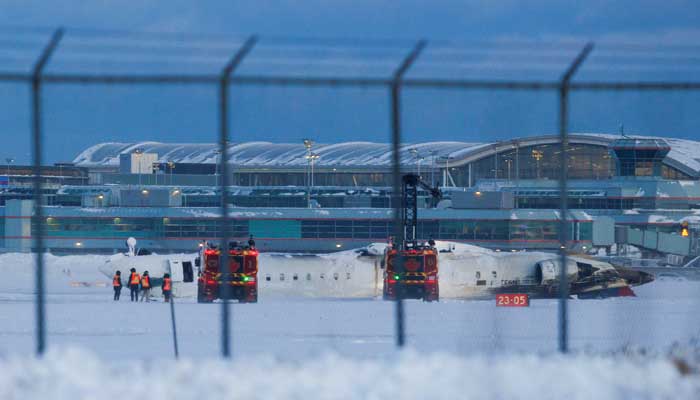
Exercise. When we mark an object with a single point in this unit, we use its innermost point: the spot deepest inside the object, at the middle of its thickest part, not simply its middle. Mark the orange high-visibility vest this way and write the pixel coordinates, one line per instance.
(116, 281)
(166, 283)
(135, 278)
(145, 282)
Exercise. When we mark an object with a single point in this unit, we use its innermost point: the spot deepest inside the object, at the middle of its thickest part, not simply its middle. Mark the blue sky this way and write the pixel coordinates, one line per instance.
(77, 117)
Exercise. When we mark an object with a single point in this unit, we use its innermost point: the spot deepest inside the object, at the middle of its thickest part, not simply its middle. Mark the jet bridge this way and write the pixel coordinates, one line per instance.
(677, 248)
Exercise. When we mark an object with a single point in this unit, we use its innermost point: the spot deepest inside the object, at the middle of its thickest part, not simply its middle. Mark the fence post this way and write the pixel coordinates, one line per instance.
(37, 217)
(396, 169)
(224, 81)
(563, 194)
(174, 326)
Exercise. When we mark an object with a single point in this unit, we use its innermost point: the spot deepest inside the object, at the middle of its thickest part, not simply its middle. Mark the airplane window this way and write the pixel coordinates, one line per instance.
(478, 274)
(308, 277)
(335, 276)
(295, 277)
(323, 276)
(281, 277)
(493, 273)
(268, 278)
(347, 275)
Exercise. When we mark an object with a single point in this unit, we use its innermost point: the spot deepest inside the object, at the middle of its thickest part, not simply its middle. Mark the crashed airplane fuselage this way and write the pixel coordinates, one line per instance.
(465, 272)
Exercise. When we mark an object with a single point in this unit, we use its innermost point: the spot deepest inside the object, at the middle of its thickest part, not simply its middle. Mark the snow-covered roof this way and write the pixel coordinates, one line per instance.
(684, 154)
(265, 154)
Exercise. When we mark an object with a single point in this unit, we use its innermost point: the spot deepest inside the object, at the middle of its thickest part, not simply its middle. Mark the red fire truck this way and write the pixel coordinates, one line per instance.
(242, 277)
(418, 279)
(411, 268)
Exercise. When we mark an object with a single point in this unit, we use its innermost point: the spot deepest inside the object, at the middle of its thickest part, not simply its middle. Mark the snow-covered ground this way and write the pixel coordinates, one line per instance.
(321, 348)
(410, 375)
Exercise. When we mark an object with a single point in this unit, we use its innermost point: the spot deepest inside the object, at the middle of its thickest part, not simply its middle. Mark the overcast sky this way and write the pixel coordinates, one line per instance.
(77, 117)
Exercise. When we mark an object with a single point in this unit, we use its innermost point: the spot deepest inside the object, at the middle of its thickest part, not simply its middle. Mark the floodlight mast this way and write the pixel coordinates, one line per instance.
(309, 178)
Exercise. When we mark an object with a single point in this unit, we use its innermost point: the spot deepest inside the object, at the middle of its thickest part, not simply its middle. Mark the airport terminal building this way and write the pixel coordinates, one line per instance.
(324, 197)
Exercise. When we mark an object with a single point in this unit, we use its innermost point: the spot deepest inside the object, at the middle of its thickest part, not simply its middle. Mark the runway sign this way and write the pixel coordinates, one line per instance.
(512, 300)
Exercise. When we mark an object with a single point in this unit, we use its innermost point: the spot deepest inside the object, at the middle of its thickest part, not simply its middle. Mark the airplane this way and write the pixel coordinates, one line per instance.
(179, 266)
(466, 272)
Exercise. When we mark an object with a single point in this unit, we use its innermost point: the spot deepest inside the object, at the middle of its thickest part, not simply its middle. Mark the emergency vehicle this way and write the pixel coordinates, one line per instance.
(241, 280)
(411, 268)
(411, 273)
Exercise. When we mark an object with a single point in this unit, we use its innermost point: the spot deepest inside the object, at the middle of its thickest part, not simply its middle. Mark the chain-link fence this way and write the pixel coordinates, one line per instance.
(88, 87)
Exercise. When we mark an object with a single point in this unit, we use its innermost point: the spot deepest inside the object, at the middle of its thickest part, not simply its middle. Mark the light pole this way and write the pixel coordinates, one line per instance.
(508, 163)
(138, 154)
(308, 144)
(418, 157)
(446, 175)
(9, 161)
(171, 166)
(311, 157)
(217, 159)
(537, 155)
(155, 167)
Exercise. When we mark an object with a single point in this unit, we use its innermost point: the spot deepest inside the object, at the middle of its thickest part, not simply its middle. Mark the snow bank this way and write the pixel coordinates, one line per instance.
(409, 375)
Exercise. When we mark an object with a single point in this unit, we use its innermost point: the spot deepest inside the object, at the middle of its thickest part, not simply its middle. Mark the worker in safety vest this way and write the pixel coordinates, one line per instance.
(117, 285)
(145, 286)
(134, 281)
(167, 287)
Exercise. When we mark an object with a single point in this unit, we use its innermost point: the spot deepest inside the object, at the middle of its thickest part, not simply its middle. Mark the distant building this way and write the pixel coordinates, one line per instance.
(502, 195)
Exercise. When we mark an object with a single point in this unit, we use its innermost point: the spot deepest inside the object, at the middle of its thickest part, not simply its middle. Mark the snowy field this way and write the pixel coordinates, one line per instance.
(334, 348)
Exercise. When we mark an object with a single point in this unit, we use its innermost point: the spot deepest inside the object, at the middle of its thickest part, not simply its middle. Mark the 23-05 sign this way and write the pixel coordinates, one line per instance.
(512, 300)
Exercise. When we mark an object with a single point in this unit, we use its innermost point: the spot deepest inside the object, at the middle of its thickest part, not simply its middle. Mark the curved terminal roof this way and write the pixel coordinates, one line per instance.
(271, 155)
(684, 154)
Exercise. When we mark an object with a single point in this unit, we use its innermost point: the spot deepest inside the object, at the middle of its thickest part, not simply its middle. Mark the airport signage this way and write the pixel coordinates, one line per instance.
(512, 300)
